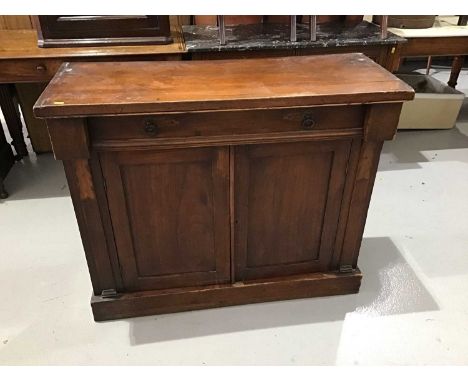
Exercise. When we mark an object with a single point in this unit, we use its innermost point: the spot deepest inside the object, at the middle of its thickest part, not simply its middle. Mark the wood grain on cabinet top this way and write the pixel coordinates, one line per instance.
(113, 88)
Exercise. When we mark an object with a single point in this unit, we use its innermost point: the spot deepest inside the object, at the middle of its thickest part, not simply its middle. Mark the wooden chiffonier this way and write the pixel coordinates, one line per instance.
(200, 184)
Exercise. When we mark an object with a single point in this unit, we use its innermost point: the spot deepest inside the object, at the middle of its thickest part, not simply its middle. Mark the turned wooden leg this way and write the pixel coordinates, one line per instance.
(428, 66)
(13, 120)
(456, 68)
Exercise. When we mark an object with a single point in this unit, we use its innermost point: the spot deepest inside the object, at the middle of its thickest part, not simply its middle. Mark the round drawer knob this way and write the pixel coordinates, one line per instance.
(150, 128)
(308, 122)
(41, 68)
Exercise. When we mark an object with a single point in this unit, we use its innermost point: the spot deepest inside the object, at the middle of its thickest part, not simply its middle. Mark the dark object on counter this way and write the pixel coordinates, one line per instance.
(243, 181)
(66, 31)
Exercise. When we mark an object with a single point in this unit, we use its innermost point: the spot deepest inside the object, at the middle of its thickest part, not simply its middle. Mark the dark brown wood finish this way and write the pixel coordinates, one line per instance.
(214, 296)
(37, 128)
(457, 65)
(173, 231)
(83, 182)
(245, 185)
(72, 143)
(204, 124)
(31, 70)
(435, 46)
(380, 124)
(288, 197)
(458, 61)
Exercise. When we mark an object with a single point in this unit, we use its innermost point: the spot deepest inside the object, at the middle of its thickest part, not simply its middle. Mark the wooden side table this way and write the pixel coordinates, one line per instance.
(445, 38)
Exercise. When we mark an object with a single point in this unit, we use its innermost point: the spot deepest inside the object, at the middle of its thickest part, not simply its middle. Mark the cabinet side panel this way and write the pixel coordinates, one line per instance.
(360, 199)
(346, 201)
(380, 124)
(80, 181)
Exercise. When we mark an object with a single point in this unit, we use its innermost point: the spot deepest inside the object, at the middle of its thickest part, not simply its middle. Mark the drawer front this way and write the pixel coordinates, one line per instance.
(226, 123)
(33, 70)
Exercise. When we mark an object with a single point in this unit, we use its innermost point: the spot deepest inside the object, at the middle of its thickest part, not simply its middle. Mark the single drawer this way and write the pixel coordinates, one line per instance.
(226, 123)
(31, 70)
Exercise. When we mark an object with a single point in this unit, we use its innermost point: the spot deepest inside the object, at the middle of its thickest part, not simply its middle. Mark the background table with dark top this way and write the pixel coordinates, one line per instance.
(270, 40)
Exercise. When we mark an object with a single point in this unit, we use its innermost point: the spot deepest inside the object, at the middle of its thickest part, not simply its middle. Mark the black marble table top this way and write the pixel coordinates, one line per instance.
(203, 38)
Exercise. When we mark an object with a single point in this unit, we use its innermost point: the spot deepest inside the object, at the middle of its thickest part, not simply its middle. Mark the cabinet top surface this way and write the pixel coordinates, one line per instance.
(113, 88)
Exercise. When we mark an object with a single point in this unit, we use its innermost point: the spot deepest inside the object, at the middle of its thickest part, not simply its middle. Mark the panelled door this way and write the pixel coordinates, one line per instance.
(170, 215)
(287, 202)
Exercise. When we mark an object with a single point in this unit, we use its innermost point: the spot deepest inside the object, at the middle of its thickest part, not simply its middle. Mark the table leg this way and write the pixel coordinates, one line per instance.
(6, 161)
(3, 192)
(428, 66)
(13, 120)
(456, 68)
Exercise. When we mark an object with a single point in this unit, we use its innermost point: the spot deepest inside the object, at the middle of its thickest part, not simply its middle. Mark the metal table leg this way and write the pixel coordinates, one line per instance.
(293, 33)
(222, 30)
(383, 27)
(313, 28)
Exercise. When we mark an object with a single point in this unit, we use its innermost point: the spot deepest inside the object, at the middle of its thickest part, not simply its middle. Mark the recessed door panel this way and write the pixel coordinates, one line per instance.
(170, 215)
(287, 201)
